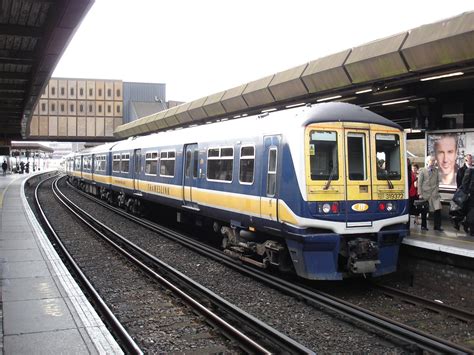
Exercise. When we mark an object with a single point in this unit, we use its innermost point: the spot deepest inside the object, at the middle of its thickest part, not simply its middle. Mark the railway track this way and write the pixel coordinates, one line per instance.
(411, 337)
(455, 312)
(265, 339)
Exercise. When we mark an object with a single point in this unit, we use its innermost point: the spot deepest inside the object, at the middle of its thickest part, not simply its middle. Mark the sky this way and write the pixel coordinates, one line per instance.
(198, 48)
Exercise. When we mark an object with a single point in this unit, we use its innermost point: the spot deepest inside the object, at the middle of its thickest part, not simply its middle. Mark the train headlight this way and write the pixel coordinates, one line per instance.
(389, 207)
(326, 208)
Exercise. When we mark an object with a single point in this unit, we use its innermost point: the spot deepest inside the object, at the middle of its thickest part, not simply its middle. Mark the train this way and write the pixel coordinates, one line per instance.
(319, 190)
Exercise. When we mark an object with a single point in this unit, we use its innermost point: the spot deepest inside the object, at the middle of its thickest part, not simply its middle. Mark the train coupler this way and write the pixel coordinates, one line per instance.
(363, 256)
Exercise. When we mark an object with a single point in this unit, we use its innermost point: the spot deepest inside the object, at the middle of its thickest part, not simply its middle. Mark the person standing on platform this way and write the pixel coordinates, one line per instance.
(468, 187)
(462, 170)
(428, 190)
(4, 167)
(413, 191)
(459, 178)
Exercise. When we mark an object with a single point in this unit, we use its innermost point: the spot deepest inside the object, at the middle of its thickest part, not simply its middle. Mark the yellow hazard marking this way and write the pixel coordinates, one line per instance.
(2, 193)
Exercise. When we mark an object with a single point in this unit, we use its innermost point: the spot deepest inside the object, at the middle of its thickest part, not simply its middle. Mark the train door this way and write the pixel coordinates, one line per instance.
(190, 174)
(137, 167)
(270, 168)
(358, 170)
(93, 166)
(82, 167)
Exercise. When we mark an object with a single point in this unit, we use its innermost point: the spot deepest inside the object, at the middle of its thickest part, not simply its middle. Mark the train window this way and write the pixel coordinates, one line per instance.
(387, 147)
(99, 163)
(356, 159)
(167, 162)
(271, 174)
(220, 163)
(247, 165)
(125, 164)
(77, 163)
(196, 162)
(323, 155)
(116, 163)
(188, 167)
(151, 163)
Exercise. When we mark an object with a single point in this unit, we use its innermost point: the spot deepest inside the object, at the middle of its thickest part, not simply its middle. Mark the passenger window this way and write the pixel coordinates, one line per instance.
(167, 162)
(125, 165)
(220, 162)
(247, 165)
(271, 174)
(116, 163)
(151, 163)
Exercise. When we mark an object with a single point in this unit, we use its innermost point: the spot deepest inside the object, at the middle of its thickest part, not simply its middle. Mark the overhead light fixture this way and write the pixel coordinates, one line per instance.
(363, 91)
(295, 105)
(329, 98)
(269, 110)
(458, 73)
(395, 102)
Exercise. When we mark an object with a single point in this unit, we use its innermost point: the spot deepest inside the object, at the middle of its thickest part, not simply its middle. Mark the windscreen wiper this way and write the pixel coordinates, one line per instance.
(331, 176)
(389, 182)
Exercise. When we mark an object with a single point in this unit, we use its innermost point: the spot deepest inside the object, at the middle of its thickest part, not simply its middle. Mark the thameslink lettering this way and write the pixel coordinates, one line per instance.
(164, 190)
(120, 182)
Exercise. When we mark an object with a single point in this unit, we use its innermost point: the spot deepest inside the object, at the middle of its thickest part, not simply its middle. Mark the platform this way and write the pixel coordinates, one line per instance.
(448, 241)
(42, 308)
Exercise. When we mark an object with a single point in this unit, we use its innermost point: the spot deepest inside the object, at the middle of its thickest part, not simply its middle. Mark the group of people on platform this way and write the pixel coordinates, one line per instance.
(425, 197)
(20, 168)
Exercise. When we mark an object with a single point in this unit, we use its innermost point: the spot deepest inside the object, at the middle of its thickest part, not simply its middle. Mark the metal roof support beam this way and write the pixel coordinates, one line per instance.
(15, 76)
(17, 30)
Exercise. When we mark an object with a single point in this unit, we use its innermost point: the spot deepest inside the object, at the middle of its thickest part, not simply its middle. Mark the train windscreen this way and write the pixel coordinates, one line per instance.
(388, 156)
(323, 155)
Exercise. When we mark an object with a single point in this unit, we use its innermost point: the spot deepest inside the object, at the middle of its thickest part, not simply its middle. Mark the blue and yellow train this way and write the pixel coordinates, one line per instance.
(320, 189)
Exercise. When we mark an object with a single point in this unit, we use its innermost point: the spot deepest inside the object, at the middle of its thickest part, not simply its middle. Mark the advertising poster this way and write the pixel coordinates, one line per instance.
(449, 149)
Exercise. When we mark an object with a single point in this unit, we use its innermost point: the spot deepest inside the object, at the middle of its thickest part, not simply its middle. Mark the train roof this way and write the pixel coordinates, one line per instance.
(247, 127)
(344, 112)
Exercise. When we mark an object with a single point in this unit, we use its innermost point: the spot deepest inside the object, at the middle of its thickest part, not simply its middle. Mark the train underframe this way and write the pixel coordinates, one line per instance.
(314, 256)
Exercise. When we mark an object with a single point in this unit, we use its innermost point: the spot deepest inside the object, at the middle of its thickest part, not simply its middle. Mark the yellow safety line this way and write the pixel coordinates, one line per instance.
(2, 193)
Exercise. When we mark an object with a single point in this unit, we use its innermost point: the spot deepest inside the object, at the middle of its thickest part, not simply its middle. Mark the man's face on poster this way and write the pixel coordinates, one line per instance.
(446, 152)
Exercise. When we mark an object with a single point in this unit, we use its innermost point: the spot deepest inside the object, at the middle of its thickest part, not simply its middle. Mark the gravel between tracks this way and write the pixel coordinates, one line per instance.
(157, 320)
(316, 329)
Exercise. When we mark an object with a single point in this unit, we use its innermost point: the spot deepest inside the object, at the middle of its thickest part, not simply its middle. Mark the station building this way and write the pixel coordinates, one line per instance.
(84, 109)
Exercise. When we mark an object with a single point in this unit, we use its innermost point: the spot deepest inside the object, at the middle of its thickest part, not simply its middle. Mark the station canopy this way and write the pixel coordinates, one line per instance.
(399, 76)
(33, 36)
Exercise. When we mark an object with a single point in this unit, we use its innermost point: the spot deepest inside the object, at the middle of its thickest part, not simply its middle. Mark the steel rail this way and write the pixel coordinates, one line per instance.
(405, 333)
(459, 313)
(117, 328)
(279, 341)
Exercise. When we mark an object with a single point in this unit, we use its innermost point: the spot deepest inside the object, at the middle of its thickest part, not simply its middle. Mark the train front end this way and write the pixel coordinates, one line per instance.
(356, 210)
